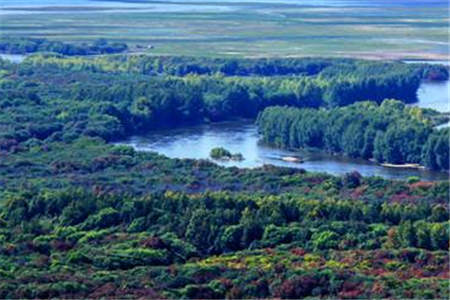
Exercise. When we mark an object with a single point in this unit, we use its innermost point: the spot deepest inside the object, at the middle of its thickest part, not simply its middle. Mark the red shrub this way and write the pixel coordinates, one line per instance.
(358, 192)
(403, 198)
(421, 185)
(297, 287)
(351, 290)
(298, 251)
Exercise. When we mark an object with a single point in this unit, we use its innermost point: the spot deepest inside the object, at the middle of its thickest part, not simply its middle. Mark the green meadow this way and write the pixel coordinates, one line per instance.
(256, 29)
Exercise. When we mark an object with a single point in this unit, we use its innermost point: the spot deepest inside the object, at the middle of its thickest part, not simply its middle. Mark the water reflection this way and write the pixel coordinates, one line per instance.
(434, 95)
(241, 136)
(14, 58)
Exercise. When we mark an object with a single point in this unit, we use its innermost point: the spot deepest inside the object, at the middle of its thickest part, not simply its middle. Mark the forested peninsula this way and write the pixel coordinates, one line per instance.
(391, 132)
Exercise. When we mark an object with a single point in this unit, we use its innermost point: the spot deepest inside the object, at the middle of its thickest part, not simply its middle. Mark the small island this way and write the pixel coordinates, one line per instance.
(220, 153)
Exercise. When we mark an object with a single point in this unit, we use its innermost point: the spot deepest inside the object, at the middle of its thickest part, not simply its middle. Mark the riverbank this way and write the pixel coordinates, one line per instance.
(196, 142)
(403, 166)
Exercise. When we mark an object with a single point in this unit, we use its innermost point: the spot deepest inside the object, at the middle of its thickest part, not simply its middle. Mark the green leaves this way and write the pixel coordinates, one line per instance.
(387, 133)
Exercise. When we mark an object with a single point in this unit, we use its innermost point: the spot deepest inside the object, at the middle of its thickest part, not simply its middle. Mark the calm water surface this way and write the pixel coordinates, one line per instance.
(15, 58)
(19, 7)
(242, 136)
(40, 6)
(435, 95)
(137, 3)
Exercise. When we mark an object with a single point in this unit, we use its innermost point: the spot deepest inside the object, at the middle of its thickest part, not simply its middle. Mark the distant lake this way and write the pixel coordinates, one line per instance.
(35, 3)
(34, 6)
(87, 6)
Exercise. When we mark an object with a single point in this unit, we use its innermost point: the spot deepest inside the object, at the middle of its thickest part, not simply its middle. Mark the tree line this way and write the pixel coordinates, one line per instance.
(64, 98)
(263, 67)
(390, 132)
(12, 45)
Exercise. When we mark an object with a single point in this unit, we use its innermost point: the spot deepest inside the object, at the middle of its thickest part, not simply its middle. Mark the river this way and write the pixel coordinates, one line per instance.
(15, 58)
(434, 95)
(241, 136)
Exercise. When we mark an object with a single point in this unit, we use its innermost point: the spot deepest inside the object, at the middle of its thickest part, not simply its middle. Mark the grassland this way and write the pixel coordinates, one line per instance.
(401, 30)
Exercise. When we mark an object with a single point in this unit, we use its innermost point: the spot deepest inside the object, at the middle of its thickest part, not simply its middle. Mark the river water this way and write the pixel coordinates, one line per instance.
(15, 58)
(434, 95)
(241, 136)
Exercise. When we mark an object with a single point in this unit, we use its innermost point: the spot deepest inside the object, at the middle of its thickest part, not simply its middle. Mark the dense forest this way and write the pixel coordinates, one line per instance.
(89, 219)
(390, 132)
(342, 68)
(81, 217)
(62, 98)
(11, 45)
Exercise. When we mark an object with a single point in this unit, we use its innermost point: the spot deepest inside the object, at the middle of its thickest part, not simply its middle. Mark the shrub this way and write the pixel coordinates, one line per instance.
(104, 218)
(325, 240)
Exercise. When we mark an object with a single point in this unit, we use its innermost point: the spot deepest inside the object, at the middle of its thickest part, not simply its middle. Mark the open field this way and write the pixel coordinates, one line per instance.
(375, 29)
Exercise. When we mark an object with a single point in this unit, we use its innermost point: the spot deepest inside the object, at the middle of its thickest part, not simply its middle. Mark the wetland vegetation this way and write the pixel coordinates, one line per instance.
(392, 132)
(82, 215)
(371, 29)
(26, 45)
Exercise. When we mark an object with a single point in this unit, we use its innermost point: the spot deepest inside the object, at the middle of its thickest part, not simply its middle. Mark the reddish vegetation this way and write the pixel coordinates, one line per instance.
(404, 198)
(351, 290)
(421, 185)
(298, 251)
(358, 192)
